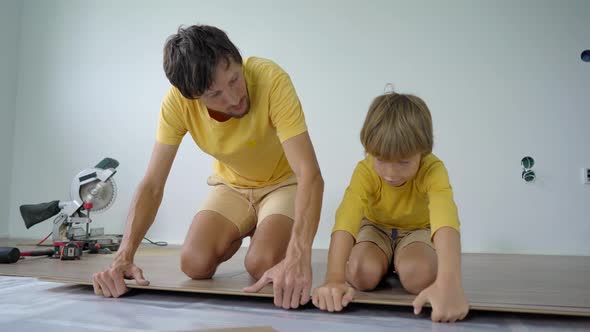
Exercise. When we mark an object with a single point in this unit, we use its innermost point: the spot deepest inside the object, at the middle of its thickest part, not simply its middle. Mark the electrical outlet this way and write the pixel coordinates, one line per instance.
(586, 175)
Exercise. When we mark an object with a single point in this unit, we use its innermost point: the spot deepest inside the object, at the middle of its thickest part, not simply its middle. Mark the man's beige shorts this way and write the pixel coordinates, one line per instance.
(391, 240)
(247, 208)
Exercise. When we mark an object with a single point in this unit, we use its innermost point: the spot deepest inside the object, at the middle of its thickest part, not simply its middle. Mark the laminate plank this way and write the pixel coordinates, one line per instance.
(494, 282)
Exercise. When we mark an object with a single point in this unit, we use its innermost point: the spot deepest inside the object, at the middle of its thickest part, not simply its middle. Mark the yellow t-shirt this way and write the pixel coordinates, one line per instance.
(424, 201)
(247, 151)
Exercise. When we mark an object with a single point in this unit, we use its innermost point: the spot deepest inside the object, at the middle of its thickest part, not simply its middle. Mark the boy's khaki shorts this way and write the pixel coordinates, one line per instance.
(247, 208)
(391, 240)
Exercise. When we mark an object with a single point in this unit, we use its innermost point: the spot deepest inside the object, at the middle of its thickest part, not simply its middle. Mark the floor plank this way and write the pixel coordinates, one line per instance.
(513, 283)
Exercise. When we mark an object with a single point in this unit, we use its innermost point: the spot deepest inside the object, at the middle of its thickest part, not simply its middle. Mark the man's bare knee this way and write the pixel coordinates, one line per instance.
(269, 244)
(211, 240)
(198, 265)
(257, 263)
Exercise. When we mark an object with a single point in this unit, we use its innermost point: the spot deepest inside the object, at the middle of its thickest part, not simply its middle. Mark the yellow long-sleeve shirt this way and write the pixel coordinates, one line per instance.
(424, 201)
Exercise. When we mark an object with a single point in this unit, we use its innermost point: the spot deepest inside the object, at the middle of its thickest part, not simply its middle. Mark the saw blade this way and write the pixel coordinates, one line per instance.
(100, 194)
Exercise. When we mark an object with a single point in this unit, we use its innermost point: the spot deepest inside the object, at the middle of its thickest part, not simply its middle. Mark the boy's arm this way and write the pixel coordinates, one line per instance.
(335, 294)
(447, 242)
(340, 248)
(446, 294)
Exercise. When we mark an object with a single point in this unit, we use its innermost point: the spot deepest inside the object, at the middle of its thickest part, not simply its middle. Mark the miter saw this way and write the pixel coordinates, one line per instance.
(92, 190)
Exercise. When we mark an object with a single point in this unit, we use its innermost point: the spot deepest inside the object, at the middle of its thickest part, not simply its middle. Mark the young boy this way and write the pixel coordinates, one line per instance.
(398, 209)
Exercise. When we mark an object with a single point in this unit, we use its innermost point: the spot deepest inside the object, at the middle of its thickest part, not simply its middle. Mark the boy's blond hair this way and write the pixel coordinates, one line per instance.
(397, 126)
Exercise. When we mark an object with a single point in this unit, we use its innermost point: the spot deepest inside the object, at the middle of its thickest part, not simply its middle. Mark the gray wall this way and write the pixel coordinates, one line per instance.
(503, 80)
(9, 41)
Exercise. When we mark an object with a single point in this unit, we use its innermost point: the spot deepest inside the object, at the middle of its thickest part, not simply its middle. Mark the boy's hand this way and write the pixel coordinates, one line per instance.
(333, 296)
(447, 300)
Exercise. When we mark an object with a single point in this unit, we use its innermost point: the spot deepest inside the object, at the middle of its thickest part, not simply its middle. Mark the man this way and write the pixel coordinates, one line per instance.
(266, 184)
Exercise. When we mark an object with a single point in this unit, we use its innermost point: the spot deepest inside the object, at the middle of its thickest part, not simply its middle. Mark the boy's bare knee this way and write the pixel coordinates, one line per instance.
(416, 276)
(198, 266)
(363, 275)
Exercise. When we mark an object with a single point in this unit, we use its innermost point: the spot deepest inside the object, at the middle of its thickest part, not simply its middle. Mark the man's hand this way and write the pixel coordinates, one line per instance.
(111, 283)
(447, 300)
(333, 296)
(291, 279)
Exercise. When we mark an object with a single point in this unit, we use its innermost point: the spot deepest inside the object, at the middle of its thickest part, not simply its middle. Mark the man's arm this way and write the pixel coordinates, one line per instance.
(141, 216)
(308, 199)
(147, 199)
(294, 274)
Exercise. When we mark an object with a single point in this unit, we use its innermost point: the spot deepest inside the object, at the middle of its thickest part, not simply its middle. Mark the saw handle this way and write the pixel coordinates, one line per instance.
(107, 163)
(35, 213)
(9, 255)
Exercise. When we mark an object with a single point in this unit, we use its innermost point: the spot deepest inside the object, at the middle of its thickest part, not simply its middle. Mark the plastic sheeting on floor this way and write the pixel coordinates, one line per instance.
(27, 304)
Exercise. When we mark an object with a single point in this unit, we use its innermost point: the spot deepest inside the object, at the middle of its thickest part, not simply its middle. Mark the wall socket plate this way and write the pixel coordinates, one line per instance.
(586, 175)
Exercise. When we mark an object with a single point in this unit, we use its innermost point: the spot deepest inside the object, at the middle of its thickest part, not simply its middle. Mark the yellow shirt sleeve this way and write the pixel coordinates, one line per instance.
(353, 207)
(443, 211)
(171, 127)
(286, 113)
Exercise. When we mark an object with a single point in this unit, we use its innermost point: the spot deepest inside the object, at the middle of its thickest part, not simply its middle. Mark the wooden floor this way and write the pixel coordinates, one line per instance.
(513, 283)
(245, 329)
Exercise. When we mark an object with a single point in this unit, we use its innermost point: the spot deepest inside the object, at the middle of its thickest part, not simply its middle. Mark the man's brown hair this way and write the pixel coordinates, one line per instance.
(192, 54)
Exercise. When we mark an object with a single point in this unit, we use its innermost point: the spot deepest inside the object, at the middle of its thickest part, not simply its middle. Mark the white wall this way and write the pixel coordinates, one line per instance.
(502, 79)
(9, 29)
